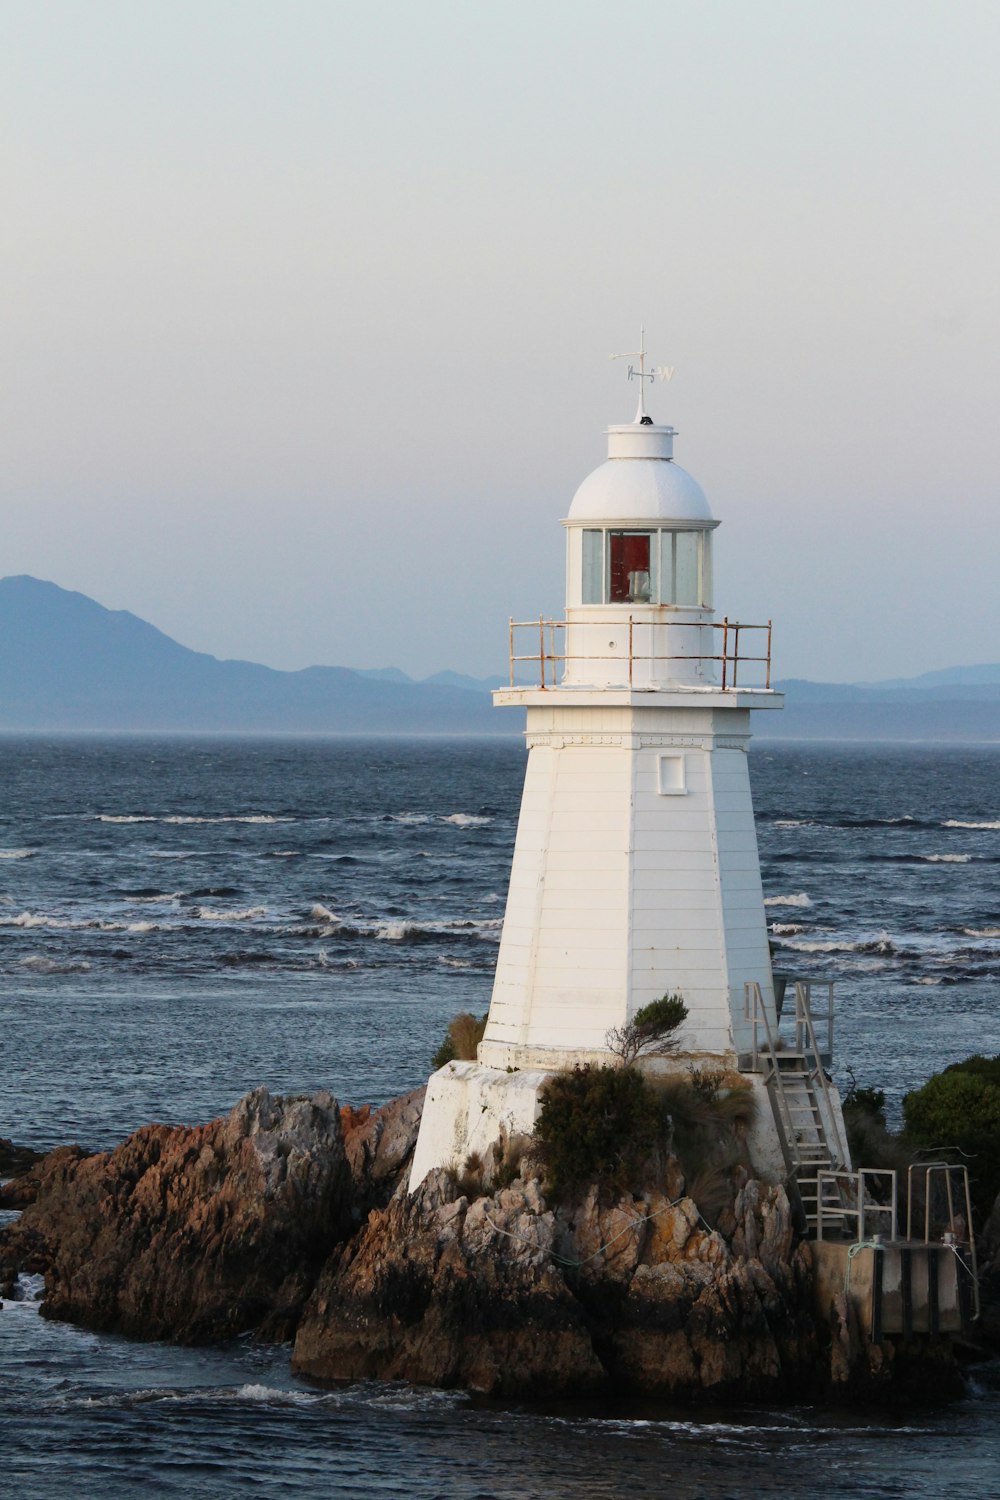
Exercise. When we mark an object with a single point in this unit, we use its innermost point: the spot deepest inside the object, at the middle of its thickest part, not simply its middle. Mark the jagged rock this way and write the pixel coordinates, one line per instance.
(763, 1227)
(379, 1147)
(194, 1233)
(446, 1293)
(40, 1178)
(16, 1159)
(703, 1316)
(506, 1295)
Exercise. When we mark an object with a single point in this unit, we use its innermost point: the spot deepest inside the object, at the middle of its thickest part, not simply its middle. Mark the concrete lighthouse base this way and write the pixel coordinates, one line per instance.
(469, 1108)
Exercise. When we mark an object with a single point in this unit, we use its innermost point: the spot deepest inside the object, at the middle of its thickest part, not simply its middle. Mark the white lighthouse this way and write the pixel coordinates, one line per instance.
(635, 869)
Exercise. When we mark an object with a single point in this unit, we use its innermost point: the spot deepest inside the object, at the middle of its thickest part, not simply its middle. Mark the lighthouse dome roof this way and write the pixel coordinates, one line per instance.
(640, 482)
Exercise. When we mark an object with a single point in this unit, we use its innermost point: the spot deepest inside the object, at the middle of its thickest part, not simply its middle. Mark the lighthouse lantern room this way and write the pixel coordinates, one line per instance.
(635, 870)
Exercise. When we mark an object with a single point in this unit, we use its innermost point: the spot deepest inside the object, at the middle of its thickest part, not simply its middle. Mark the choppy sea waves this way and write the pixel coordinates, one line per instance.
(183, 920)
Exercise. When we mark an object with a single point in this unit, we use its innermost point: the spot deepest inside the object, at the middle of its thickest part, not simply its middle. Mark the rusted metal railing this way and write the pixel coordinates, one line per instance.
(730, 658)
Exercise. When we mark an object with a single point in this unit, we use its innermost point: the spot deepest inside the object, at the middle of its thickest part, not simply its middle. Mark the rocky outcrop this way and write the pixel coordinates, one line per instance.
(379, 1146)
(291, 1217)
(16, 1159)
(502, 1294)
(39, 1178)
(192, 1234)
(446, 1292)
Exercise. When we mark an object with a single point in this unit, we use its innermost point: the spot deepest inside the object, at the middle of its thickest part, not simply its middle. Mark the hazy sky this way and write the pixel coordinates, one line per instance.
(307, 310)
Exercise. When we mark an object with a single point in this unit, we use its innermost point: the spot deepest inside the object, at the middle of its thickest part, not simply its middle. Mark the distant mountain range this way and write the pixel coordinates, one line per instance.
(67, 663)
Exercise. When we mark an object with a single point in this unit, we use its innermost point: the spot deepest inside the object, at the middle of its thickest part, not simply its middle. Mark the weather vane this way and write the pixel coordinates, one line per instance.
(658, 372)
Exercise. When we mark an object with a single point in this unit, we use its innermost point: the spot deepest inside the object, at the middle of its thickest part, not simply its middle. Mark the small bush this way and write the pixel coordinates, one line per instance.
(652, 1029)
(598, 1124)
(869, 1139)
(461, 1040)
(469, 1181)
(709, 1083)
(508, 1158)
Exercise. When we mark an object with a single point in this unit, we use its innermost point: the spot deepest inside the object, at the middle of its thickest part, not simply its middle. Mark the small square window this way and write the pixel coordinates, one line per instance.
(670, 779)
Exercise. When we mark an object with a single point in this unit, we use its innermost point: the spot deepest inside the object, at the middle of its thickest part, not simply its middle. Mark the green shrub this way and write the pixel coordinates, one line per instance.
(598, 1124)
(461, 1040)
(959, 1110)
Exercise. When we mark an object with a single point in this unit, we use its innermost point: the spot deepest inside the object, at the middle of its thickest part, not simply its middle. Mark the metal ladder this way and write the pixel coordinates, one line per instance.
(803, 1112)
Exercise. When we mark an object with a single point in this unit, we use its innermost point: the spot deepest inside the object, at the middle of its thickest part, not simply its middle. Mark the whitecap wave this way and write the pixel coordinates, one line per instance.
(183, 819)
(881, 946)
(961, 823)
(829, 946)
(16, 853)
(28, 1293)
(246, 914)
(786, 929)
(39, 965)
(186, 819)
(486, 929)
(794, 823)
(208, 1395)
(466, 820)
(274, 1395)
(981, 932)
(321, 913)
(396, 932)
(333, 926)
(946, 859)
(29, 919)
(801, 899)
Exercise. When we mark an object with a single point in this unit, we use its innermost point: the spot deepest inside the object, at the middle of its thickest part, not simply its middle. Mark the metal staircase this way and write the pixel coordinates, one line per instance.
(805, 1116)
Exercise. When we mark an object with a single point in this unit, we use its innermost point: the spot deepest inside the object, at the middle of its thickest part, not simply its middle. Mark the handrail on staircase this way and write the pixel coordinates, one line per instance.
(755, 1011)
(804, 988)
(803, 1019)
(844, 1180)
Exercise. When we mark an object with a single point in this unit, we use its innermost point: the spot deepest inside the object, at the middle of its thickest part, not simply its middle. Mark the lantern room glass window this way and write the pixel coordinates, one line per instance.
(631, 567)
(647, 567)
(593, 568)
(686, 550)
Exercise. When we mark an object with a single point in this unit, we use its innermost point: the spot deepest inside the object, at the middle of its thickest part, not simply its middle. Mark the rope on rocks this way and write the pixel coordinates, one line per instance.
(578, 1264)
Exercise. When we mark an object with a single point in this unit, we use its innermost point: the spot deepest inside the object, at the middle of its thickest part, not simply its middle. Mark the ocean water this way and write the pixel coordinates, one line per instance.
(181, 920)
